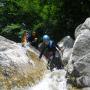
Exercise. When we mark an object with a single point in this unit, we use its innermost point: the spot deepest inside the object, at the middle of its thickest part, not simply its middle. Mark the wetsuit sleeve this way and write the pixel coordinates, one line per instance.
(55, 45)
(42, 51)
(30, 38)
(58, 47)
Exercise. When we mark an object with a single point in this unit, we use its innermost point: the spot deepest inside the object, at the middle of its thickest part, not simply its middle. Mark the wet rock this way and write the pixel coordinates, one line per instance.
(66, 44)
(81, 59)
(11, 54)
(79, 63)
(82, 27)
(77, 30)
(83, 81)
(87, 88)
(19, 66)
(81, 46)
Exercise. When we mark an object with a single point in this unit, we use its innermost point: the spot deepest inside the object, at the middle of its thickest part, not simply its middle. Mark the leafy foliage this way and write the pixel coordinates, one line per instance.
(57, 18)
(12, 31)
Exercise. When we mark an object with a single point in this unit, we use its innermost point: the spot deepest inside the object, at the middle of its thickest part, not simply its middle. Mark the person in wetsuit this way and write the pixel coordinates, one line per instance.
(49, 49)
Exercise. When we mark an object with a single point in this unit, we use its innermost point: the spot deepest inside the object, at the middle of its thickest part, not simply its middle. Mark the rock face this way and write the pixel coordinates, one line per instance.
(12, 55)
(21, 65)
(78, 30)
(66, 44)
(83, 27)
(81, 55)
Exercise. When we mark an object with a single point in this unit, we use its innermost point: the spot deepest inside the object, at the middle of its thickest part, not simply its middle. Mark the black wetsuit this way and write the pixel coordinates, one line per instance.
(54, 61)
(32, 41)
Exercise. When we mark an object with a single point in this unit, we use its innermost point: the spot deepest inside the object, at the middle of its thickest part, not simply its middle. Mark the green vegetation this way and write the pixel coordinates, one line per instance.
(57, 18)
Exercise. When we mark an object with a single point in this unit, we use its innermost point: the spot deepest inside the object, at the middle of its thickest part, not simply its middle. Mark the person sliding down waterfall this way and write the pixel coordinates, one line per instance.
(51, 51)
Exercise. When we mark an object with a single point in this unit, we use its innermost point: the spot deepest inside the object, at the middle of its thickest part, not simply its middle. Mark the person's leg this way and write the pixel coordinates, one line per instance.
(58, 61)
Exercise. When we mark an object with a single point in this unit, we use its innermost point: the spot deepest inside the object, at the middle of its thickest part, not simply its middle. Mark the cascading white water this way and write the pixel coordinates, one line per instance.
(52, 81)
(21, 67)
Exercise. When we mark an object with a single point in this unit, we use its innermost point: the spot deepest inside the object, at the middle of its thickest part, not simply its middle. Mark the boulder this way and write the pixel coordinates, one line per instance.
(12, 55)
(78, 30)
(19, 66)
(87, 88)
(83, 81)
(82, 27)
(80, 58)
(66, 44)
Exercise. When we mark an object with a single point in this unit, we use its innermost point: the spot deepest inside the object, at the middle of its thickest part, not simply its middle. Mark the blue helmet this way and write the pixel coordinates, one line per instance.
(46, 38)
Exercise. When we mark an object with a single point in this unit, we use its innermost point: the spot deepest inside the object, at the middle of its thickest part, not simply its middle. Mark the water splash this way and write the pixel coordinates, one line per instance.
(52, 81)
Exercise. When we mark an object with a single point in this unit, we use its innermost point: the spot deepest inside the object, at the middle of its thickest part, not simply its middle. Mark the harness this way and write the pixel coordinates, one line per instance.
(50, 44)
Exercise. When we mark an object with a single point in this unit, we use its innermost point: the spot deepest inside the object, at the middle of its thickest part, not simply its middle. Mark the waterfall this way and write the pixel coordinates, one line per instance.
(52, 81)
(38, 73)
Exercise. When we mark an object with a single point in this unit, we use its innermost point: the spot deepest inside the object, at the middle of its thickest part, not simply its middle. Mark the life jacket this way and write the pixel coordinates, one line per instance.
(49, 49)
(51, 46)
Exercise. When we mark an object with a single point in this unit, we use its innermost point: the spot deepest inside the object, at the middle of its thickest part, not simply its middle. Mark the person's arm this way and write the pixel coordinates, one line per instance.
(59, 48)
(42, 51)
(30, 38)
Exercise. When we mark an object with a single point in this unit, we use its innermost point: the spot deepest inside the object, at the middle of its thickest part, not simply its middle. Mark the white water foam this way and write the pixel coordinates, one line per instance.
(52, 81)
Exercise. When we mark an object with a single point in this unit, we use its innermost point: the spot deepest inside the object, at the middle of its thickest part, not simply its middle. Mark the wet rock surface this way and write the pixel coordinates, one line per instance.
(66, 44)
(80, 56)
(19, 66)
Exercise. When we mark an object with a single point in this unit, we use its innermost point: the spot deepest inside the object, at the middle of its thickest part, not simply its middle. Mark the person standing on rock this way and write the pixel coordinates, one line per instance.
(24, 39)
(33, 40)
(51, 51)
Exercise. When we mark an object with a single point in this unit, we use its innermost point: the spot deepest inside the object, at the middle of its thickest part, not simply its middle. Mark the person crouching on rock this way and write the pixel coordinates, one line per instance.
(49, 49)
